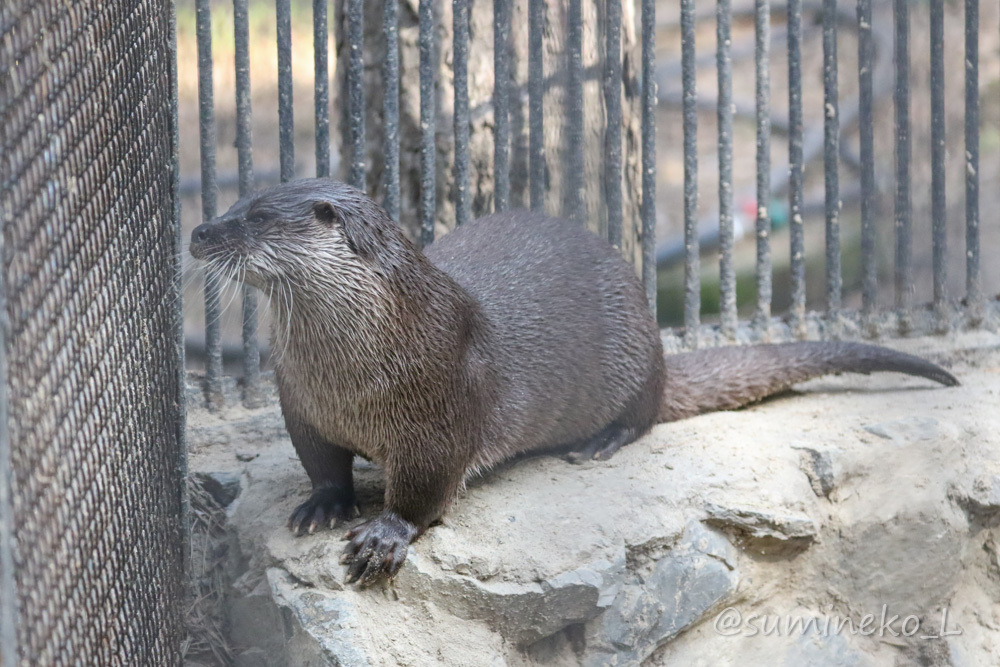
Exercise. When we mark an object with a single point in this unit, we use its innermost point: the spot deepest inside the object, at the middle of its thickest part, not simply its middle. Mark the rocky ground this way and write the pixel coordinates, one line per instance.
(855, 521)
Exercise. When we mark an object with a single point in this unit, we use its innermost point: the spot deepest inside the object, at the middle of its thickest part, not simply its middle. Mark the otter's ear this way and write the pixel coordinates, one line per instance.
(326, 213)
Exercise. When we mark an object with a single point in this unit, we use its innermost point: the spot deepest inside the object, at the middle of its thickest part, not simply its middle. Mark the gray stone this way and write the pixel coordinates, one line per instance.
(319, 626)
(521, 612)
(913, 429)
(818, 467)
(224, 487)
(762, 524)
(541, 562)
(672, 595)
(979, 496)
(823, 650)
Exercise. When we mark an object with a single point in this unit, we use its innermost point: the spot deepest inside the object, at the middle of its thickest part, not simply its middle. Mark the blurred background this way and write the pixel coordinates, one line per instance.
(669, 197)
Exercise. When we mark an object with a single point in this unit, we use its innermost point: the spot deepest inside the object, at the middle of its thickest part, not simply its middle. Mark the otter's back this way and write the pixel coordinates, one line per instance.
(574, 341)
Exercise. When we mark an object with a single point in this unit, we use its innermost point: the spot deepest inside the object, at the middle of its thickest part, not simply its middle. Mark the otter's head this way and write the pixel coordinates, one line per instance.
(302, 235)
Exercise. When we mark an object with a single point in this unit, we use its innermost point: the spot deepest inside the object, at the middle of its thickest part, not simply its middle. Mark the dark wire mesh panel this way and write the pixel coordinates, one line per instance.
(87, 162)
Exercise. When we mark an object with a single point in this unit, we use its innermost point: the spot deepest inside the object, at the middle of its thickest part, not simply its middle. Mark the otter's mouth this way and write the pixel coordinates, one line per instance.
(218, 245)
(198, 250)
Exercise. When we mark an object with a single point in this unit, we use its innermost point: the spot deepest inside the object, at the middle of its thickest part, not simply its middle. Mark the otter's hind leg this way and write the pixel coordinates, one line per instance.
(330, 469)
(604, 444)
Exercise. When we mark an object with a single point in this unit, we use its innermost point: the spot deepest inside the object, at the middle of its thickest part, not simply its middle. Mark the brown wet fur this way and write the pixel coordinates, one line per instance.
(512, 334)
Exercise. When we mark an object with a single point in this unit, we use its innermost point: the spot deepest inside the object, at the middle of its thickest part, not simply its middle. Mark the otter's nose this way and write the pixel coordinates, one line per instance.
(201, 233)
(201, 236)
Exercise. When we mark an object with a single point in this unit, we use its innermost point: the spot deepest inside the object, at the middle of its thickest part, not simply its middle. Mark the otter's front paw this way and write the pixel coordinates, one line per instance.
(326, 507)
(377, 548)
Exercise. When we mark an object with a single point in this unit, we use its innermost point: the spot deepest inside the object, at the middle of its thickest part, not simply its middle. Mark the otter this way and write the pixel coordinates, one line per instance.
(515, 333)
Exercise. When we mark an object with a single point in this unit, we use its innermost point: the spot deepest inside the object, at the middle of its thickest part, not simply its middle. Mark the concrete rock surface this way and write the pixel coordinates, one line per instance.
(854, 523)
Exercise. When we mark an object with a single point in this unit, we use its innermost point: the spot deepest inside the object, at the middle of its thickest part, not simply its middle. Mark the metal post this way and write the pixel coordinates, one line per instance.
(762, 58)
(206, 130)
(501, 104)
(613, 132)
(244, 150)
(692, 278)
(321, 86)
(649, 152)
(428, 123)
(724, 112)
(460, 17)
(795, 162)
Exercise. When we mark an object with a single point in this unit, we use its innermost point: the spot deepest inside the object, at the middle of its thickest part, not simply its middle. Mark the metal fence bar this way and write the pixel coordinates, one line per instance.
(649, 151)
(973, 285)
(724, 112)
(762, 59)
(241, 32)
(692, 279)
(536, 92)
(355, 93)
(866, 128)
(241, 43)
(938, 201)
(501, 104)
(428, 123)
(902, 207)
(574, 112)
(209, 206)
(8, 591)
(460, 18)
(831, 149)
(184, 521)
(390, 81)
(321, 86)
(286, 118)
(795, 164)
(613, 131)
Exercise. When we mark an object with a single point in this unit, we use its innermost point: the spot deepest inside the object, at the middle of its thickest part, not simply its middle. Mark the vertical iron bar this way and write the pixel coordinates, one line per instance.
(428, 123)
(831, 150)
(322, 86)
(649, 152)
(574, 112)
(8, 591)
(938, 202)
(501, 104)
(724, 111)
(866, 129)
(460, 16)
(356, 93)
(613, 132)
(536, 91)
(692, 279)
(973, 285)
(206, 129)
(390, 82)
(244, 137)
(241, 33)
(901, 102)
(795, 176)
(762, 58)
(286, 119)
(183, 521)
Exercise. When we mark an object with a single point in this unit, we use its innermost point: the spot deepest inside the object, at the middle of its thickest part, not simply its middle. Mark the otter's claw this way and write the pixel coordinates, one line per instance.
(326, 507)
(377, 548)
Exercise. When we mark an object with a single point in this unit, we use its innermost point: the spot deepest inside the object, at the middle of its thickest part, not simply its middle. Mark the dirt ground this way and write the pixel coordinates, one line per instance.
(545, 562)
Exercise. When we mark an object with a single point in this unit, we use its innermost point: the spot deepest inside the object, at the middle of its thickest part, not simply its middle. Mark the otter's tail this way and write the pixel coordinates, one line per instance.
(725, 378)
